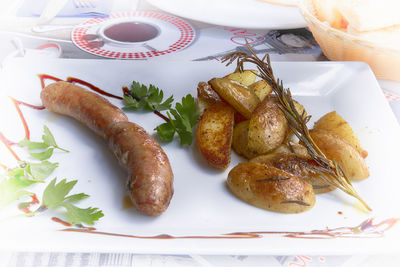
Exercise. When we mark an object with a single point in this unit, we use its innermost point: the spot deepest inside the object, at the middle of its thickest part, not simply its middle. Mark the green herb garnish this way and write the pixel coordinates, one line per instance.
(14, 181)
(13, 184)
(48, 143)
(56, 195)
(150, 99)
(180, 119)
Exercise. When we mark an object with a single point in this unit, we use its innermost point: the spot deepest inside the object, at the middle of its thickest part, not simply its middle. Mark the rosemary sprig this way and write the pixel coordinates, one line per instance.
(330, 170)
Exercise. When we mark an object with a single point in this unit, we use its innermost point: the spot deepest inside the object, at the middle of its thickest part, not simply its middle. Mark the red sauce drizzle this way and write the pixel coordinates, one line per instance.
(4, 166)
(92, 87)
(166, 236)
(19, 102)
(57, 220)
(21, 116)
(365, 229)
(43, 77)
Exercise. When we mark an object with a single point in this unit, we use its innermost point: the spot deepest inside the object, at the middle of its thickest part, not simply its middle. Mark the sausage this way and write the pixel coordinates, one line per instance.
(150, 177)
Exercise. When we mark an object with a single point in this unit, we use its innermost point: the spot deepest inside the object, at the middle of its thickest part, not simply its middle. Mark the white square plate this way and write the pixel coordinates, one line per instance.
(203, 213)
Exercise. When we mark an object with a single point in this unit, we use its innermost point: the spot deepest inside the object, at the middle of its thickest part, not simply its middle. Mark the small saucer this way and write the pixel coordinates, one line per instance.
(161, 34)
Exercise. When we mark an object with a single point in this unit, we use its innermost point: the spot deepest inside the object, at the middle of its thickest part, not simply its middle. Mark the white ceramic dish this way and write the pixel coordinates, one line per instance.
(250, 14)
(203, 213)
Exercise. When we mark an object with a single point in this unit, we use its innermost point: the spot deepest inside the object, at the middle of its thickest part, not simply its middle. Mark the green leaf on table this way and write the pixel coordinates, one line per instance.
(42, 155)
(11, 188)
(48, 139)
(56, 195)
(32, 145)
(77, 215)
(146, 98)
(138, 90)
(49, 143)
(42, 170)
(77, 197)
(131, 103)
(166, 132)
(185, 118)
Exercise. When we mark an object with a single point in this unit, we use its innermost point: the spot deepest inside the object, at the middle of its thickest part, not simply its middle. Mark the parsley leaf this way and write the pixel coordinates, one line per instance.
(11, 189)
(55, 195)
(42, 170)
(185, 118)
(131, 103)
(32, 171)
(25, 174)
(166, 132)
(181, 119)
(141, 97)
(32, 145)
(49, 143)
(42, 155)
(77, 215)
(48, 139)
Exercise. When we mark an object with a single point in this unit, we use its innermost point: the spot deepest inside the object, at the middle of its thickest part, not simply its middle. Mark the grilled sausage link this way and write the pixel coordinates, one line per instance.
(150, 177)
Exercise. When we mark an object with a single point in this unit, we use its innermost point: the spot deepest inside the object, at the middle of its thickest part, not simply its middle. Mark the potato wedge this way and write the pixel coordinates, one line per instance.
(261, 88)
(239, 141)
(300, 166)
(344, 154)
(292, 147)
(239, 96)
(268, 127)
(206, 96)
(214, 134)
(245, 77)
(270, 188)
(335, 123)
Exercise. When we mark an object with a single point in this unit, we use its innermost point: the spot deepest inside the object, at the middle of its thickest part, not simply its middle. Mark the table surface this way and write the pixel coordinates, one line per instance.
(16, 38)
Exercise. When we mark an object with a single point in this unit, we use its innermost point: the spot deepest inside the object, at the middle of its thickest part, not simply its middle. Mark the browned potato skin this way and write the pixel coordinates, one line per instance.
(206, 96)
(297, 165)
(239, 142)
(335, 123)
(239, 96)
(214, 134)
(339, 150)
(292, 147)
(245, 77)
(249, 182)
(261, 88)
(268, 127)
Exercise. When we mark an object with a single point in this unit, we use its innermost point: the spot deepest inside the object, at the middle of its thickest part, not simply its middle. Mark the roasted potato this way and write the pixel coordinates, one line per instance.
(300, 166)
(292, 147)
(261, 88)
(239, 96)
(245, 77)
(239, 141)
(339, 150)
(214, 134)
(206, 96)
(270, 188)
(335, 123)
(268, 127)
